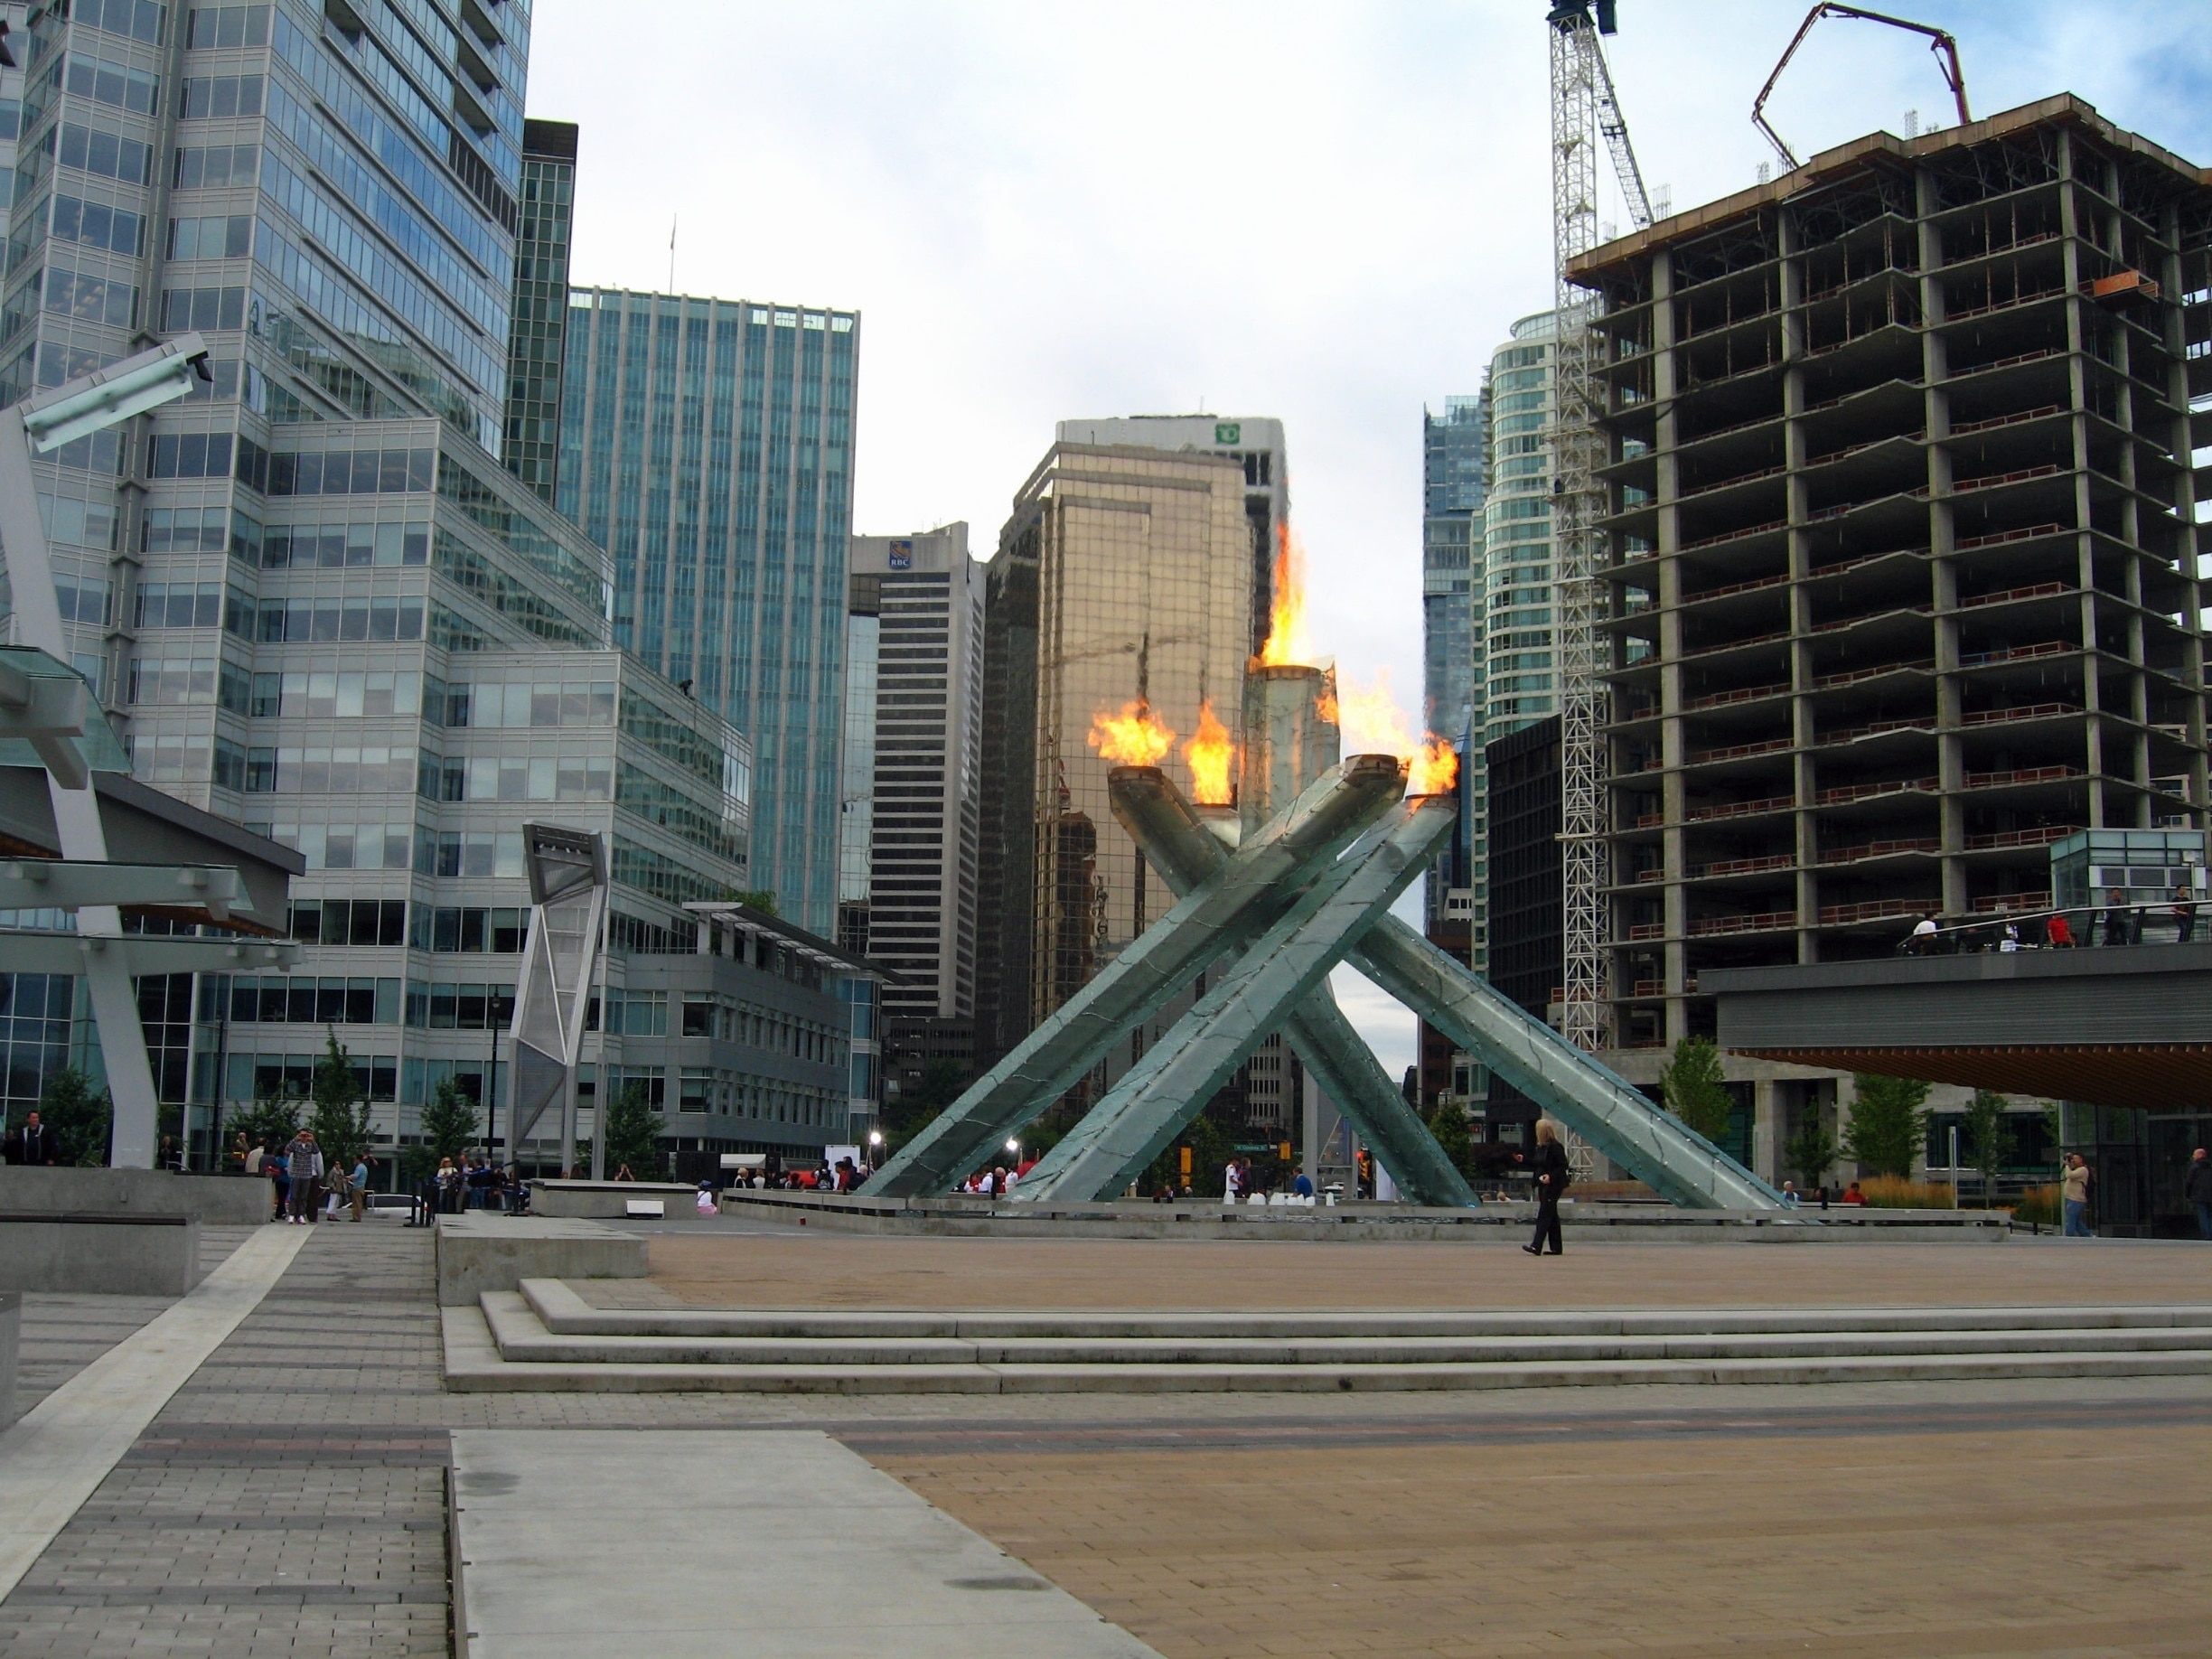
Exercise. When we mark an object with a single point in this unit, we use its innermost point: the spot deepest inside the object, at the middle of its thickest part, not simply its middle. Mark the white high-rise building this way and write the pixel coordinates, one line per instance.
(1519, 625)
(907, 840)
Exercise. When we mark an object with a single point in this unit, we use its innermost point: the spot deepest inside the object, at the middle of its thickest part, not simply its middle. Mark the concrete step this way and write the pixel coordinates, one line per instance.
(508, 1343)
(473, 1363)
(522, 1335)
(562, 1311)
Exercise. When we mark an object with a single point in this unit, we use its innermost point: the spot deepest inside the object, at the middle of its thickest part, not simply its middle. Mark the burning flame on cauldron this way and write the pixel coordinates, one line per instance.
(1213, 758)
(1134, 737)
(1286, 642)
(1372, 724)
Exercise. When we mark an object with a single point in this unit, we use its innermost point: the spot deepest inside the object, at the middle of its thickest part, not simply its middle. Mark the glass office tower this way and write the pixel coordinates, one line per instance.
(541, 303)
(706, 445)
(315, 602)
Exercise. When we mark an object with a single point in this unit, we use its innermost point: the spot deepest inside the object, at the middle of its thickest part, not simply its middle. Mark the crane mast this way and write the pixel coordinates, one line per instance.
(1585, 113)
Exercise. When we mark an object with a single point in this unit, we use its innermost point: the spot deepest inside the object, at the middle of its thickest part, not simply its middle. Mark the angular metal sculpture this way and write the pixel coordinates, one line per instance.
(560, 956)
(1128, 1128)
(1240, 901)
(1178, 845)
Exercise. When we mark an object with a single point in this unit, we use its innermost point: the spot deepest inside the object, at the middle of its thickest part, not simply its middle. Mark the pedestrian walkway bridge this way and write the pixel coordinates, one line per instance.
(2123, 1026)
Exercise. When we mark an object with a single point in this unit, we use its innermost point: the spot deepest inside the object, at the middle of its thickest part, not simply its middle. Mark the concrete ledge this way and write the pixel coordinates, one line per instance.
(607, 1200)
(11, 1352)
(1642, 1224)
(99, 1253)
(479, 1250)
(214, 1200)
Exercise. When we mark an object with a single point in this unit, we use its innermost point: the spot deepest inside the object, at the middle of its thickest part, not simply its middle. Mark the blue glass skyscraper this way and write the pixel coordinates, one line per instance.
(706, 445)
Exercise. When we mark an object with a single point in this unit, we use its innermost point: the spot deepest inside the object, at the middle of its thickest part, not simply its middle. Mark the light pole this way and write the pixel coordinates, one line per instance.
(40, 424)
(875, 1150)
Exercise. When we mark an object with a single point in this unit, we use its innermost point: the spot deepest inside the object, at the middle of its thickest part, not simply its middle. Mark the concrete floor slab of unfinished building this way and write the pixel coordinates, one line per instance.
(841, 1270)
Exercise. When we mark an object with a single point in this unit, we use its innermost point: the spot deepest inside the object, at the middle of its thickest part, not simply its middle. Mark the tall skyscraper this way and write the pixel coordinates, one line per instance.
(706, 444)
(1518, 626)
(1454, 475)
(1124, 576)
(913, 735)
(541, 303)
(1254, 444)
(316, 602)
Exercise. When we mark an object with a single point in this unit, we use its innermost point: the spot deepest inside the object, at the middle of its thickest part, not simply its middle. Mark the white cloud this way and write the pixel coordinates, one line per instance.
(1328, 212)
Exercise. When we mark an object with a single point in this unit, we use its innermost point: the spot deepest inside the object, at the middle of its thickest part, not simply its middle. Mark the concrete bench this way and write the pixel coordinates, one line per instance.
(608, 1200)
(99, 1253)
(215, 1200)
(483, 1250)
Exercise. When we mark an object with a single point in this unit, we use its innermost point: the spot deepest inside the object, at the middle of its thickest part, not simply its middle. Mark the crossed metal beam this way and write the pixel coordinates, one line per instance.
(1238, 903)
(1576, 1089)
(1137, 1118)
(1177, 844)
(1285, 907)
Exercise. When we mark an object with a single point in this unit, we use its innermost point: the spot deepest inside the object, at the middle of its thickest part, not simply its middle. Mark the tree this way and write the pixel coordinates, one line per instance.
(915, 1108)
(763, 899)
(1449, 1124)
(1692, 1085)
(448, 1129)
(634, 1134)
(274, 1118)
(1889, 1123)
(339, 1117)
(1211, 1150)
(1989, 1128)
(80, 1119)
(1811, 1150)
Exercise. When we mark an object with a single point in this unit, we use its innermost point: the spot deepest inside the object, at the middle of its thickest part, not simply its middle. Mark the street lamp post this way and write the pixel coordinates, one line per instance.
(42, 423)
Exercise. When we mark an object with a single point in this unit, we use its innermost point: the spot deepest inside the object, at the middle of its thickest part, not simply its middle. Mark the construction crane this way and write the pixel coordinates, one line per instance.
(1584, 113)
(1939, 42)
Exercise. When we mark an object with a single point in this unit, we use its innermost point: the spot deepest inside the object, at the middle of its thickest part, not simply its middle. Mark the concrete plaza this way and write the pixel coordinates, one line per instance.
(291, 1496)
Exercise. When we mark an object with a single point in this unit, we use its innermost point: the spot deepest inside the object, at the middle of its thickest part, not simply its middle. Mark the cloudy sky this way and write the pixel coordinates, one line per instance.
(1318, 210)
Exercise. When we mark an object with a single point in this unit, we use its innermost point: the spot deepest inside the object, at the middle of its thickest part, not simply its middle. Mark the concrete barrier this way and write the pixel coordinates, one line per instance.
(98, 1253)
(479, 1250)
(213, 1200)
(11, 1350)
(608, 1200)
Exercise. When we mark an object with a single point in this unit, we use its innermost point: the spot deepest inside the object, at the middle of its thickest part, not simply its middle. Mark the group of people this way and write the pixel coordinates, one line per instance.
(299, 1174)
(2118, 924)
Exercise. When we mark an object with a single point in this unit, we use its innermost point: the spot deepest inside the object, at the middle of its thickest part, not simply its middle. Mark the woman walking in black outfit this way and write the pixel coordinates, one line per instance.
(1551, 1178)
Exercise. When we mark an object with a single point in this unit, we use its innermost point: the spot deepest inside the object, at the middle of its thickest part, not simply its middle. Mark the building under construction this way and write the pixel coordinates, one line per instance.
(1902, 543)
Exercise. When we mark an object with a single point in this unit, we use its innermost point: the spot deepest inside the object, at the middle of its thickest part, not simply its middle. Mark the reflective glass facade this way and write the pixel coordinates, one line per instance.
(706, 445)
(541, 303)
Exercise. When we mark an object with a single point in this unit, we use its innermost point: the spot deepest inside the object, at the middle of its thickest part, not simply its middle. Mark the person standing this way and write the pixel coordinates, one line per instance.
(1233, 1181)
(2119, 920)
(356, 1183)
(2197, 1189)
(1551, 1178)
(2184, 916)
(37, 1144)
(304, 1163)
(276, 1166)
(2075, 1185)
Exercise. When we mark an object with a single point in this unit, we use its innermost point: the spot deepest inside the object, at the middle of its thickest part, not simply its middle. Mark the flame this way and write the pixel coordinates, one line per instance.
(1134, 737)
(1372, 724)
(1211, 756)
(1287, 640)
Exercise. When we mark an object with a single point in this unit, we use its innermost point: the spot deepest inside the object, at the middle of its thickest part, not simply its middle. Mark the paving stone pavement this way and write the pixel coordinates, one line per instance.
(290, 1500)
(61, 1334)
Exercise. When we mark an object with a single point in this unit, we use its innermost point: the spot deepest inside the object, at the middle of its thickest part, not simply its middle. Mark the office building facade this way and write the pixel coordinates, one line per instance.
(1123, 575)
(1254, 443)
(540, 323)
(315, 600)
(706, 445)
(912, 763)
(1454, 481)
